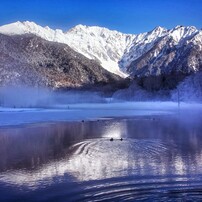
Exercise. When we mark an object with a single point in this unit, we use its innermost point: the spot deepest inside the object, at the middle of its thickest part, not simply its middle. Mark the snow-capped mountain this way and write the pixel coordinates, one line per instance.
(29, 60)
(159, 51)
(97, 43)
(177, 50)
(140, 45)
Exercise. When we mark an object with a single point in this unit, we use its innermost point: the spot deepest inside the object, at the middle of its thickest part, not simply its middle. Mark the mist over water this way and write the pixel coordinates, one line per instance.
(27, 97)
(189, 90)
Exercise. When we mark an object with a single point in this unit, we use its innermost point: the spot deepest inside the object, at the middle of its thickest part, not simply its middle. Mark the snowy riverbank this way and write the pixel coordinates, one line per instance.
(77, 112)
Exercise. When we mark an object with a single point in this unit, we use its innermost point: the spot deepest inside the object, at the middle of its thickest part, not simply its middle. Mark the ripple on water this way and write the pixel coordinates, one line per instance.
(117, 170)
(102, 146)
(100, 158)
(97, 159)
(149, 188)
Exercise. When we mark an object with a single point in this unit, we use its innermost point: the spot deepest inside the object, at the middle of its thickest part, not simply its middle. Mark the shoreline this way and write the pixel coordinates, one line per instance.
(89, 111)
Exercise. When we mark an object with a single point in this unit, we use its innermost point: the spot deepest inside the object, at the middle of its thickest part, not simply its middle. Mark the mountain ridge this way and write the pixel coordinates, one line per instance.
(32, 61)
(150, 53)
(76, 41)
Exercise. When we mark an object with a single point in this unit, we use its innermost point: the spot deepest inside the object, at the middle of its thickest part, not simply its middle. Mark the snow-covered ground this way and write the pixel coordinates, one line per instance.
(78, 112)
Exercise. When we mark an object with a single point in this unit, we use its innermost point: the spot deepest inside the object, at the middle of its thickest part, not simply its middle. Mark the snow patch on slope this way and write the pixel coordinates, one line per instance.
(180, 32)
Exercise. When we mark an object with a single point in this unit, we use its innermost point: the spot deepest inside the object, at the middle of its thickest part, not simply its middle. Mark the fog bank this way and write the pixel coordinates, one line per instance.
(189, 90)
(26, 97)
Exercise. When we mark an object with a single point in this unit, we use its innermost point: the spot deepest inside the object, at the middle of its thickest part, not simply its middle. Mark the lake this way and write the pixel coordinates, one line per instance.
(151, 158)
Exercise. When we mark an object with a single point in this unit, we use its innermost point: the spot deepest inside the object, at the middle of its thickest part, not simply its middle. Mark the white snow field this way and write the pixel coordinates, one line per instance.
(91, 111)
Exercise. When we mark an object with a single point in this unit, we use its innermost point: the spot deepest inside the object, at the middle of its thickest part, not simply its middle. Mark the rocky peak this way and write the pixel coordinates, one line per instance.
(115, 51)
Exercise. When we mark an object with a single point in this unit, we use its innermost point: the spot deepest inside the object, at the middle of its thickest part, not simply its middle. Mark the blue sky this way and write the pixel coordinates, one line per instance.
(129, 16)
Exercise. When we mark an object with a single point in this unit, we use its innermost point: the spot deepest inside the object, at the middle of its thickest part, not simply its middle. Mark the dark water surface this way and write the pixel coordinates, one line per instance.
(159, 159)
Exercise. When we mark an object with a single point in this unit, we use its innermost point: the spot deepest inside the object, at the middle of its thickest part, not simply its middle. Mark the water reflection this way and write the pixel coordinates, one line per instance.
(81, 151)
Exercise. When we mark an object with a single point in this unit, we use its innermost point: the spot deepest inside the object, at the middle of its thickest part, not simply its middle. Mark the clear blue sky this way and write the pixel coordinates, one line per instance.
(129, 16)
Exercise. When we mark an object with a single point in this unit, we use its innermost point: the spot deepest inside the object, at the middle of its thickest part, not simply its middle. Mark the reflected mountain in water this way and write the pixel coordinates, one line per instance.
(84, 149)
(165, 148)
